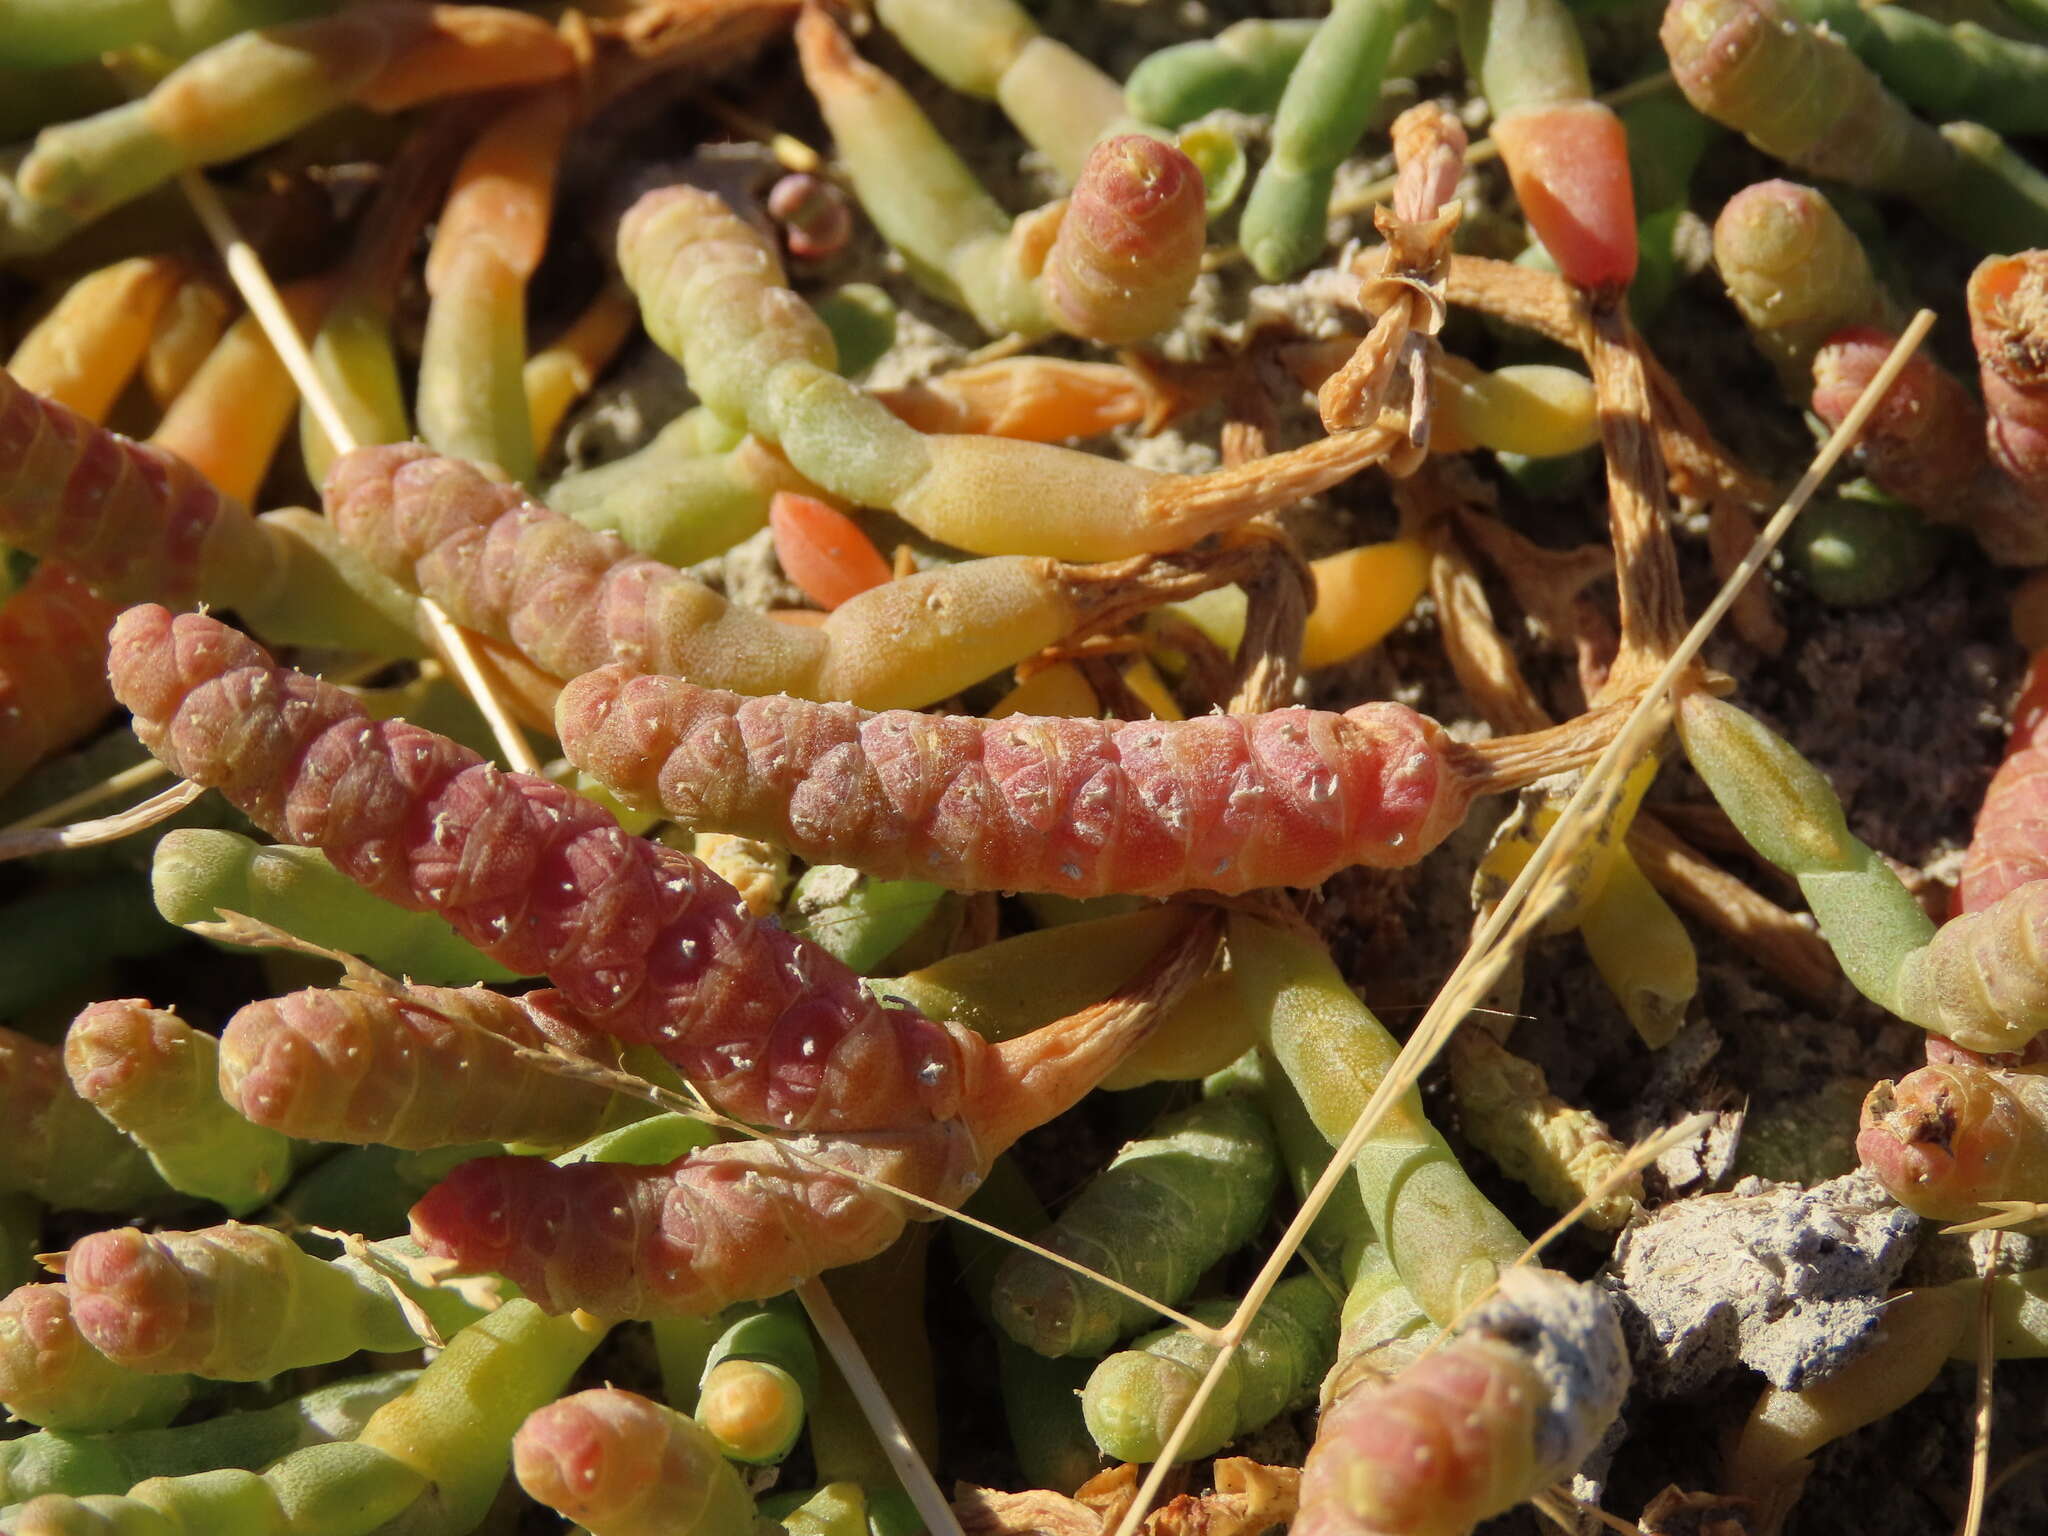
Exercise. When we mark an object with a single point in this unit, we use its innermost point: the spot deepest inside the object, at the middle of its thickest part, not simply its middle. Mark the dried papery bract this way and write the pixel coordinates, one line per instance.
(1129, 246)
(1952, 1138)
(1077, 807)
(1392, 366)
(413, 1067)
(1516, 1401)
(620, 1465)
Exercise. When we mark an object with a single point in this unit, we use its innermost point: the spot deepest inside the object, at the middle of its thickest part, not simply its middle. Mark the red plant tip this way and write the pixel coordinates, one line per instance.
(1941, 1139)
(143, 647)
(111, 1044)
(823, 550)
(2008, 301)
(1844, 367)
(1406, 1462)
(815, 218)
(469, 1215)
(593, 1455)
(1515, 1401)
(591, 1235)
(1129, 246)
(268, 1069)
(1569, 166)
(642, 942)
(602, 1236)
(129, 1296)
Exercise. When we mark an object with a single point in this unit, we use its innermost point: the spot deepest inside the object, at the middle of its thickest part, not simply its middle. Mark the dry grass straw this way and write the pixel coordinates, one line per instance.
(1980, 1418)
(23, 841)
(107, 788)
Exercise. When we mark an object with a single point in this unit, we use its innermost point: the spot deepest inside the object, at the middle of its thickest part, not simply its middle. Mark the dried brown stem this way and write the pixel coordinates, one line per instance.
(1696, 463)
(687, 40)
(1108, 595)
(1278, 596)
(1511, 762)
(1639, 511)
(1479, 654)
(1547, 583)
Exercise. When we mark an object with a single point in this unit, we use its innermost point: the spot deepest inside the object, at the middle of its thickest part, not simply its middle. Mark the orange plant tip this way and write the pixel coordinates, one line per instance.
(823, 550)
(1569, 166)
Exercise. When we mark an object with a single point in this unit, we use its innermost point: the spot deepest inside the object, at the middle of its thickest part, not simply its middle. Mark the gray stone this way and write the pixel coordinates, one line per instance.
(1784, 1280)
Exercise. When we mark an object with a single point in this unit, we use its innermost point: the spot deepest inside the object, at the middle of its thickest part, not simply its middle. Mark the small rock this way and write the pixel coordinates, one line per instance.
(1781, 1279)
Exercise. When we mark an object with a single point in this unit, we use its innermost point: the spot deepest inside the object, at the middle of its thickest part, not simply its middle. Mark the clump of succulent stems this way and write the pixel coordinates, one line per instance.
(759, 896)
